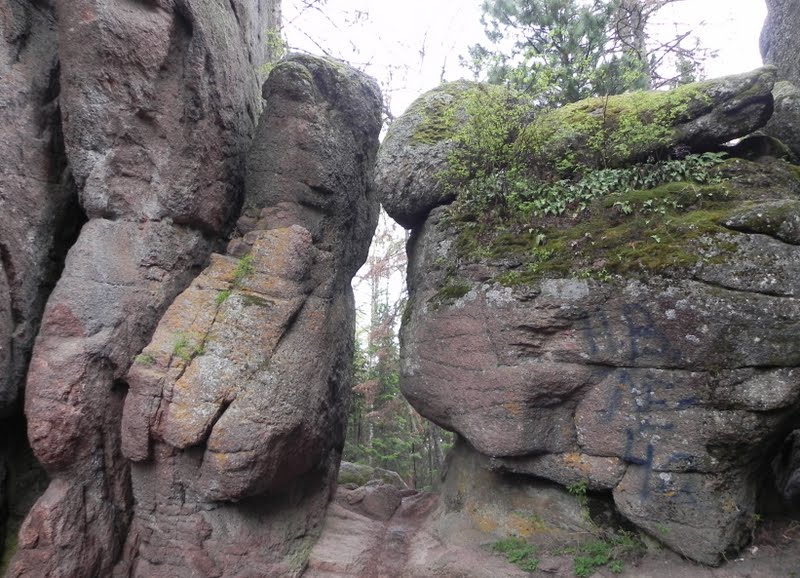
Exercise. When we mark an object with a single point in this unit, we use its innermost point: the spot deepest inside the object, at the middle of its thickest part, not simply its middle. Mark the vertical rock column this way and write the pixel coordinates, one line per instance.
(236, 411)
(39, 216)
(159, 101)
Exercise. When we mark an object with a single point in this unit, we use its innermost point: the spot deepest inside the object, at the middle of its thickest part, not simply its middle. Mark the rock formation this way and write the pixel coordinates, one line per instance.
(236, 409)
(780, 42)
(648, 350)
(159, 103)
(39, 216)
(701, 116)
(779, 46)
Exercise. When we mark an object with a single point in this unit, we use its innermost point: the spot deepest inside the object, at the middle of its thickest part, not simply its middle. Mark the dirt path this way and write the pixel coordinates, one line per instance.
(419, 540)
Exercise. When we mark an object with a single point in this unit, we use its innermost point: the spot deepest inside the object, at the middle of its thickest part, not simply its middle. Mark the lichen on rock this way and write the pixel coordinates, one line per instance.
(237, 405)
(641, 340)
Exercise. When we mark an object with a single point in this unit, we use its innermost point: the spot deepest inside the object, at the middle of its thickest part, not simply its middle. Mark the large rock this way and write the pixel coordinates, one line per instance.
(785, 122)
(38, 205)
(159, 101)
(39, 213)
(416, 148)
(652, 354)
(590, 134)
(360, 474)
(780, 41)
(237, 407)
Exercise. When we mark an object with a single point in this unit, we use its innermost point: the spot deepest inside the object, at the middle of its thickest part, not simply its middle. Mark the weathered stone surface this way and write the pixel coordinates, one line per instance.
(509, 506)
(158, 102)
(697, 116)
(671, 387)
(38, 204)
(236, 408)
(785, 122)
(39, 215)
(375, 500)
(418, 541)
(780, 43)
(360, 474)
(599, 473)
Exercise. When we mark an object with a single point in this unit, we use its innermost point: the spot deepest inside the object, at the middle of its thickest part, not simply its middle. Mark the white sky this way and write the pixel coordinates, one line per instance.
(410, 46)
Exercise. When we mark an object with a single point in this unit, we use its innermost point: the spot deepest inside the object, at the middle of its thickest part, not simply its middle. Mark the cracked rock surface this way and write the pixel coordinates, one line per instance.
(236, 411)
(670, 388)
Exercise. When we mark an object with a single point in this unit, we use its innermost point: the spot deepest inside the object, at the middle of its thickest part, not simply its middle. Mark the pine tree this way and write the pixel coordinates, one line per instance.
(561, 51)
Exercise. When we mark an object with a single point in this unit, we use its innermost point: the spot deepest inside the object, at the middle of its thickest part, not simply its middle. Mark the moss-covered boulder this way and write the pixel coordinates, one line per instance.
(620, 130)
(416, 149)
(461, 130)
(361, 474)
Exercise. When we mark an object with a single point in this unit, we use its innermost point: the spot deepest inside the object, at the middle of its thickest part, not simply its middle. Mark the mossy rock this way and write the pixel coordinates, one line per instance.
(417, 147)
(620, 130)
(361, 474)
(666, 230)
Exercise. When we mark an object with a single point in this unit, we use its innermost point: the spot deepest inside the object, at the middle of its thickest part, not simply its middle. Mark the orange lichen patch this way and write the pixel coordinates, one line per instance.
(483, 522)
(514, 408)
(526, 526)
(576, 461)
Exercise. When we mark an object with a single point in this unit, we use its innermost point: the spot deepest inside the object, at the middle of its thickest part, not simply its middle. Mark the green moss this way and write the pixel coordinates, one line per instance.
(443, 111)
(610, 132)
(254, 300)
(407, 311)
(145, 359)
(455, 289)
(244, 268)
(637, 232)
(300, 553)
(222, 297)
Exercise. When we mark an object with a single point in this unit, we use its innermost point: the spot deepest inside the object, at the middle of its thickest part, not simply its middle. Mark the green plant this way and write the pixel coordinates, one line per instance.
(578, 489)
(608, 551)
(517, 551)
(222, 296)
(244, 268)
(184, 349)
(524, 199)
(145, 359)
(454, 289)
(277, 47)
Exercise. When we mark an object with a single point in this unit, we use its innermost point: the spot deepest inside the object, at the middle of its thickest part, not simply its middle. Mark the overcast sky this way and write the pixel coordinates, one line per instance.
(411, 45)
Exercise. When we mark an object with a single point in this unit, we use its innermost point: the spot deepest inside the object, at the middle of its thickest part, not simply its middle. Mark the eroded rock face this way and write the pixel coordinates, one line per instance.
(785, 122)
(236, 410)
(670, 392)
(158, 102)
(780, 42)
(661, 369)
(39, 218)
(37, 201)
